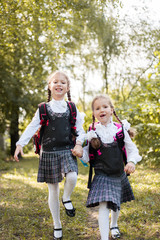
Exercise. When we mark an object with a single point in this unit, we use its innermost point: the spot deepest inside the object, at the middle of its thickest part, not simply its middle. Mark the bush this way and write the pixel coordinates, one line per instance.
(148, 142)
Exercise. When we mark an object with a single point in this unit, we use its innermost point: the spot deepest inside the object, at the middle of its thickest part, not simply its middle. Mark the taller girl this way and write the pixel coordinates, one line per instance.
(58, 152)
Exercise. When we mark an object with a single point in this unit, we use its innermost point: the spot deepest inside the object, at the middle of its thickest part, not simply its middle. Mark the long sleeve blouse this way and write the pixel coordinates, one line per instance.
(107, 134)
(57, 107)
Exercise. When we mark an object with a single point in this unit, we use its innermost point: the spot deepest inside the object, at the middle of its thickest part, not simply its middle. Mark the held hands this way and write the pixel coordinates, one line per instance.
(18, 150)
(130, 168)
(77, 150)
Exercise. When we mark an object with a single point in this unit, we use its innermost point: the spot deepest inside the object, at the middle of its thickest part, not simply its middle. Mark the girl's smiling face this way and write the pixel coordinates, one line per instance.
(59, 86)
(102, 110)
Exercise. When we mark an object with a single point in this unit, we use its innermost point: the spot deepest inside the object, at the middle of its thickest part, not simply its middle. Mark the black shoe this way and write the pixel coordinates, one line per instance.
(57, 229)
(117, 235)
(69, 212)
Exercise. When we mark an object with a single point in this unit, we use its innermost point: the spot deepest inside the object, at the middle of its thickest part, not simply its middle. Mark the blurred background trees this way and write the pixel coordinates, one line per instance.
(101, 50)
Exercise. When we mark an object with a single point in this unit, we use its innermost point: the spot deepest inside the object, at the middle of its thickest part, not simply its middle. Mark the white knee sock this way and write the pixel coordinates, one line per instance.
(114, 219)
(53, 202)
(70, 183)
(103, 220)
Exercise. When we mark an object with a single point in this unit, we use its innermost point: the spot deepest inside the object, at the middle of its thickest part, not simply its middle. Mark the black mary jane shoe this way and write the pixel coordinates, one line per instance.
(69, 212)
(117, 235)
(57, 229)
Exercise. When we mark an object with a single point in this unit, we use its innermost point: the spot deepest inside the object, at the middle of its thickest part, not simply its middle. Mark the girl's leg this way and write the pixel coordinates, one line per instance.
(53, 202)
(69, 185)
(114, 218)
(103, 220)
(114, 224)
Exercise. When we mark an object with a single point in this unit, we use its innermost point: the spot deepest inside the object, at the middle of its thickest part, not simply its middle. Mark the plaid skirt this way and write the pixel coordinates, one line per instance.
(113, 190)
(54, 165)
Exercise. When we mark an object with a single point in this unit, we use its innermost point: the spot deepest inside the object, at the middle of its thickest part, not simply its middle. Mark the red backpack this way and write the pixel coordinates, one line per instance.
(37, 137)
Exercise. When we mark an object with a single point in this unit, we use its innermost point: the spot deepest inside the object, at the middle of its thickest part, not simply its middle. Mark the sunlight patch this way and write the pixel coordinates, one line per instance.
(24, 179)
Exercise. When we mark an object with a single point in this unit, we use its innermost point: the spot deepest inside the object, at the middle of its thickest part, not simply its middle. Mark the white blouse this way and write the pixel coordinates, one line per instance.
(107, 134)
(58, 107)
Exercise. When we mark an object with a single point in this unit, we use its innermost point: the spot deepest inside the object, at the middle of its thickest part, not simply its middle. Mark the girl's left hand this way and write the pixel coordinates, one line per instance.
(130, 168)
(77, 151)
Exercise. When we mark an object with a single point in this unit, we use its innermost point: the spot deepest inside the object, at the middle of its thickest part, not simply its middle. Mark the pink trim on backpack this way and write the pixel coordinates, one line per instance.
(115, 139)
(99, 152)
(91, 156)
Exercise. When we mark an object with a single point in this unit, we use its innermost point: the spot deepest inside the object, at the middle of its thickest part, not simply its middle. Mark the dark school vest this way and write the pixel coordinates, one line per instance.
(57, 134)
(108, 160)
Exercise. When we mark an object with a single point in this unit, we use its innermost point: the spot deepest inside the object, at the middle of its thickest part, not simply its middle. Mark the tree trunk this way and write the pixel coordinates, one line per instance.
(106, 77)
(14, 136)
(84, 92)
(1, 142)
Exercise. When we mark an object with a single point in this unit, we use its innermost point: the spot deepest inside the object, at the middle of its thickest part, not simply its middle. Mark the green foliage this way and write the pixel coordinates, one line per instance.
(2, 159)
(142, 110)
(88, 119)
(4, 164)
(33, 39)
(148, 141)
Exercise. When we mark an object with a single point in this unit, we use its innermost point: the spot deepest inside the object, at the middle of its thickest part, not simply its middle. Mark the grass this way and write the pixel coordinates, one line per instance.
(24, 212)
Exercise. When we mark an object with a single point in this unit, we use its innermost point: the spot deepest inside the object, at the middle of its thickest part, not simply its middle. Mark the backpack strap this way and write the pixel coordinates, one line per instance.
(73, 116)
(91, 157)
(42, 113)
(118, 125)
(120, 140)
(43, 118)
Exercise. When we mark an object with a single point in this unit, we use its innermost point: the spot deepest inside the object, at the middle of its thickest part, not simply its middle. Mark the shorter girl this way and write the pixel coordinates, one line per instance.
(110, 186)
(58, 151)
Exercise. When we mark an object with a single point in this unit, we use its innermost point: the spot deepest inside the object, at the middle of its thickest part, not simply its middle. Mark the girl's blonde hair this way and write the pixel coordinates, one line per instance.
(102, 96)
(94, 142)
(49, 79)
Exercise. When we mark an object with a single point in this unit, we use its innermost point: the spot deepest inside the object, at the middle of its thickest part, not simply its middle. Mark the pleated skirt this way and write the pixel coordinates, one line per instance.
(54, 165)
(113, 190)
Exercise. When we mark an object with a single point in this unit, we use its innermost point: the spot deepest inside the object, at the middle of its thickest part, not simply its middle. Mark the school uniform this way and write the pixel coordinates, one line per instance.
(110, 183)
(56, 158)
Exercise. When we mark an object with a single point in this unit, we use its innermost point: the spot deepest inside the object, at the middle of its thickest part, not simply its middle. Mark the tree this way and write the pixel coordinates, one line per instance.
(142, 110)
(24, 53)
(33, 38)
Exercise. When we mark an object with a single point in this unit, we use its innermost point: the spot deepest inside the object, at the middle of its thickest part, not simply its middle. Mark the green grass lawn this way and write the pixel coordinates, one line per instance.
(24, 212)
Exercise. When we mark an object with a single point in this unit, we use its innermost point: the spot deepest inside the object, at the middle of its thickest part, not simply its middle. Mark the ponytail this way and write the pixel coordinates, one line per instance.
(49, 95)
(69, 95)
(95, 142)
(93, 121)
(116, 116)
(131, 131)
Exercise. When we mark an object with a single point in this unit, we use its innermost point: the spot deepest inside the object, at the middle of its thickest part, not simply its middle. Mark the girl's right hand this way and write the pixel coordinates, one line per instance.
(18, 150)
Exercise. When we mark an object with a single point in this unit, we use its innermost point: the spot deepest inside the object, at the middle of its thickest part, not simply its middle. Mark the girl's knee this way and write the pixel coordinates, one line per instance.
(103, 206)
(53, 187)
(71, 177)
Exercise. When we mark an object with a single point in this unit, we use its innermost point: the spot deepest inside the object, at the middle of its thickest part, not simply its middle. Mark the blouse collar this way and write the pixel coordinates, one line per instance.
(58, 102)
(106, 133)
